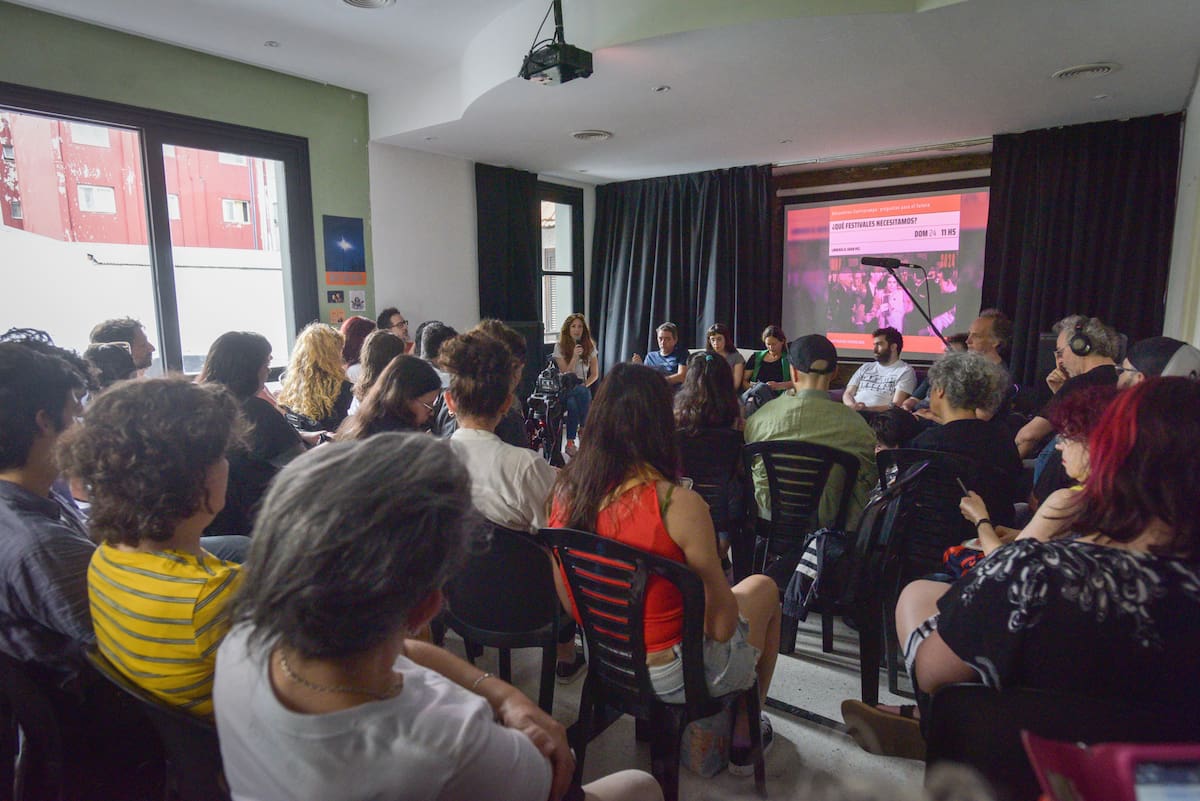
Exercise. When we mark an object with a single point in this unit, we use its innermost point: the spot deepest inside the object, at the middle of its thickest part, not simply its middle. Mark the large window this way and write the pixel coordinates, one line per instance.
(190, 226)
(561, 255)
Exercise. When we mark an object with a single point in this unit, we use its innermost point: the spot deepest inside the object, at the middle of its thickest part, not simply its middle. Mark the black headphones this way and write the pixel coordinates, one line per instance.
(1080, 343)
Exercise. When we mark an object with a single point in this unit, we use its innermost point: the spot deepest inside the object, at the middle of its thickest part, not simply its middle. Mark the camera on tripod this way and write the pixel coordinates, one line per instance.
(544, 412)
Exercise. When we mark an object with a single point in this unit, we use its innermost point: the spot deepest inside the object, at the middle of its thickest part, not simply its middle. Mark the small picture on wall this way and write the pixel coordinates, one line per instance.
(335, 296)
(337, 316)
(358, 300)
(345, 251)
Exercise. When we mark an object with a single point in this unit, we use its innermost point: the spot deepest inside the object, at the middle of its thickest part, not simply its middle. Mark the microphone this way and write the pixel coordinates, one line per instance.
(876, 261)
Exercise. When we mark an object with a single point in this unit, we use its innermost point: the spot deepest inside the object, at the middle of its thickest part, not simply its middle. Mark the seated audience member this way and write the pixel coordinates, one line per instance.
(1075, 419)
(671, 357)
(322, 693)
(1114, 608)
(1083, 355)
(431, 335)
(769, 366)
(511, 428)
(887, 381)
(893, 429)
(378, 350)
(129, 331)
(392, 321)
(990, 335)
(622, 485)
(719, 342)
(152, 456)
(316, 395)
(401, 400)
(1158, 356)
(808, 414)
(354, 332)
(961, 384)
(510, 486)
(575, 353)
(44, 545)
(112, 362)
(955, 343)
(707, 430)
(239, 361)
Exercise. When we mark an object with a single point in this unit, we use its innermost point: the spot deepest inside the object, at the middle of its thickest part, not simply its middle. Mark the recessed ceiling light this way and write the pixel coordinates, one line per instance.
(369, 3)
(785, 141)
(593, 135)
(270, 43)
(430, 138)
(581, 171)
(1101, 97)
(1095, 70)
(661, 89)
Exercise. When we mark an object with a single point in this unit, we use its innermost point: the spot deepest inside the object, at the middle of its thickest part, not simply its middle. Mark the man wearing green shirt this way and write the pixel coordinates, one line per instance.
(807, 414)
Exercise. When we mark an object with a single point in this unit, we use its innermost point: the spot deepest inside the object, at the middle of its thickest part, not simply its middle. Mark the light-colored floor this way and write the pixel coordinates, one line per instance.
(808, 679)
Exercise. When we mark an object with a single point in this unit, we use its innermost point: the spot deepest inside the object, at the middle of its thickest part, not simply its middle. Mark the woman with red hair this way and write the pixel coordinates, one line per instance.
(1112, 606)
(354, 332)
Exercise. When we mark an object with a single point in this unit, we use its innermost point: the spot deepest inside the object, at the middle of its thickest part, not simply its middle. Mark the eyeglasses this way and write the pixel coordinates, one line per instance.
(428, 406)
(400, 324)
(1121, 369)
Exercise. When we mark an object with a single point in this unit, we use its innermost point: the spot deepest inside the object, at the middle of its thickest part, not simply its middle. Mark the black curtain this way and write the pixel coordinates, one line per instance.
(692, 249)
(1080, 221)
(509, 230)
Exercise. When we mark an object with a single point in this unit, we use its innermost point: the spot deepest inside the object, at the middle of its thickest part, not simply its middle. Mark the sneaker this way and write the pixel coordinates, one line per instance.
(740, 763)
(567, 672)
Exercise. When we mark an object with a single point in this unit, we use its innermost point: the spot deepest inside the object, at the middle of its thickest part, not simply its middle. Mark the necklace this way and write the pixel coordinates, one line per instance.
(390, 692)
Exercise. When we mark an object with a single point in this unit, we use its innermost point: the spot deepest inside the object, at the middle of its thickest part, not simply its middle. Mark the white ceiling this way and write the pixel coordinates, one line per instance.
(752, 81)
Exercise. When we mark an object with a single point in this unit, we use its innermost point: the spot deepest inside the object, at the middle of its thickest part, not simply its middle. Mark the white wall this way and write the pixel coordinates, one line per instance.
(423, 236)
(1183, 287)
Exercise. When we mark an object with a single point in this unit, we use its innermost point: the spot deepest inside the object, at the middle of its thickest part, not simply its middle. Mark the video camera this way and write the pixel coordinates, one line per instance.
(544, 412)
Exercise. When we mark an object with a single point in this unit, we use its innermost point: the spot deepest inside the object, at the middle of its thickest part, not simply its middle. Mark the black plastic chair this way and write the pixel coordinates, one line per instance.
(193, 754)
(33, 736)
(797, 475)
(505, 598)
(981, 727)
(608, 582)
(712, 460)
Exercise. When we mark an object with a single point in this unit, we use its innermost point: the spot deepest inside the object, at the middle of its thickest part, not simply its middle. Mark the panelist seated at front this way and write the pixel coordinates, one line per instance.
(671, 357)
(885, 382)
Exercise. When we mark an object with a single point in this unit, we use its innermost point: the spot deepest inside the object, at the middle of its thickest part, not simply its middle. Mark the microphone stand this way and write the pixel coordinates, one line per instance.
(916, 304)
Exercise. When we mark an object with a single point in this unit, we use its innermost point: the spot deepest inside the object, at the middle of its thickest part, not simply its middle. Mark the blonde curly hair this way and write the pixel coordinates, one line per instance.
(314, 373)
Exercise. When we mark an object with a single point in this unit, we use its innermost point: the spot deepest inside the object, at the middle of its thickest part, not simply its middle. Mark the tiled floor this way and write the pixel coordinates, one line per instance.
(808, 679)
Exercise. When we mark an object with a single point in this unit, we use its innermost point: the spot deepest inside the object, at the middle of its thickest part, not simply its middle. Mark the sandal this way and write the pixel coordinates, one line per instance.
(885, 733)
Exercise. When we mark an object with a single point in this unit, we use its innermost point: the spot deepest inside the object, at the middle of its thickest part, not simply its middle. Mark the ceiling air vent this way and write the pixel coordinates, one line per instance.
(1096, 70)
(592, 136)
(369, 3)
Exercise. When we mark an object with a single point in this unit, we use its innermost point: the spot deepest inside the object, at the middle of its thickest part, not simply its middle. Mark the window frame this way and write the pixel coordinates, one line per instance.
(158, 128)
(568, 196)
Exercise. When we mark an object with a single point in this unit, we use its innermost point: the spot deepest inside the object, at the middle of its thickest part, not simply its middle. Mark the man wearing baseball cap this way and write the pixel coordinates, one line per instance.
(807, 414)
(1158, 356)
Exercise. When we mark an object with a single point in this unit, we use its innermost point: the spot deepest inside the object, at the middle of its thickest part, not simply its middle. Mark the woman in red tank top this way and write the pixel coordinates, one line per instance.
(622, 485)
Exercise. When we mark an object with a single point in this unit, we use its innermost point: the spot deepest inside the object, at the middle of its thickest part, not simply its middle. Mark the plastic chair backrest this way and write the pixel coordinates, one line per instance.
(929, 520)
(191, 746)
(710, 459)
(608, 581)
(505, 594)
(980, 726)
(24, 698)
(797, 474)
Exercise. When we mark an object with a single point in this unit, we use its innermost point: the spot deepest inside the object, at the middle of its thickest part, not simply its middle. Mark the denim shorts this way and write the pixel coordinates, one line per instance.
(729, 667)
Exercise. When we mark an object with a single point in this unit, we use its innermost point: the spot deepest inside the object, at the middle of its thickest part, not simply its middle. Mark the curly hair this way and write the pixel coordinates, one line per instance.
(706, 399)
(566, 342)
(235, 359)
(143, 452)
(378, 350)
(1077, 415)
(480, 370)
(354, 331)
(969, 380)
(386, 406)
(314, 373)
(512, 339)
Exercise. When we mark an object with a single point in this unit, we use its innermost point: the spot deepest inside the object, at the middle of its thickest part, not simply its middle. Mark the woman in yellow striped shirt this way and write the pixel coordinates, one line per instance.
(151, 455)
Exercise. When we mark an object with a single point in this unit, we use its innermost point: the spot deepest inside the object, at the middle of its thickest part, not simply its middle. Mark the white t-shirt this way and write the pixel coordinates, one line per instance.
(435, 740)
(582, 366)
(509, 485)
(876, 385)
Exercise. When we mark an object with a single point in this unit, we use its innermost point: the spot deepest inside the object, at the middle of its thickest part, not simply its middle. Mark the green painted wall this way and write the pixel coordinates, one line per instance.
(55, 53)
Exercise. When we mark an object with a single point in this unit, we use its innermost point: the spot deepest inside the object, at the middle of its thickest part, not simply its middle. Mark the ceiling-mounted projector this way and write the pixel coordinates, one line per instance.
(555, 61)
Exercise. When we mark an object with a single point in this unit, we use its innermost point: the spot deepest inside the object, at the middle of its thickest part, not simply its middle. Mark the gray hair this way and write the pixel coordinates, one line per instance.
(969, 380)
(1105, 339)
(350, 538)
